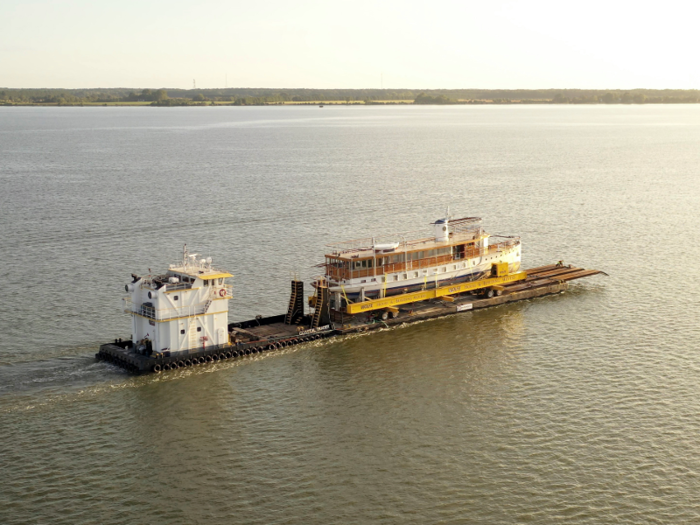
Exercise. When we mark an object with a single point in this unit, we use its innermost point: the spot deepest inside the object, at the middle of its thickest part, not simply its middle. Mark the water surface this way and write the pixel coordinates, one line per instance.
(576, 408)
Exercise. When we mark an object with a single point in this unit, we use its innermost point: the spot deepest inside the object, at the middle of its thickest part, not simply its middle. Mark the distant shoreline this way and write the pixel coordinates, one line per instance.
(330, 103)
(364, 97)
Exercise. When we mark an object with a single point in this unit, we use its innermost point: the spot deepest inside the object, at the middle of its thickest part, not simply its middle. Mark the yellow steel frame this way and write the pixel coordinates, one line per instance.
(445, 291)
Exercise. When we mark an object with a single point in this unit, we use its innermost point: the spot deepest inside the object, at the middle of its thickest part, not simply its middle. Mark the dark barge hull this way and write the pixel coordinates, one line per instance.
(279, 336)
(271, 333)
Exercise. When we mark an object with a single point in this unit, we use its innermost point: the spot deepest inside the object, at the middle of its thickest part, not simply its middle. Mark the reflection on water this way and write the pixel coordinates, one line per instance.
(578, 407)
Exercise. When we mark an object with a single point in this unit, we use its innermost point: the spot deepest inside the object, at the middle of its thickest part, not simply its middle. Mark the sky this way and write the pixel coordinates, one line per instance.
(360, 44)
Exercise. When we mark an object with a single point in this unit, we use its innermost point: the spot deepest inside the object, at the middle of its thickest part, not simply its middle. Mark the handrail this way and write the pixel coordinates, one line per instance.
(457, 226)
(149, 285)
(366, 245)
(162, 314)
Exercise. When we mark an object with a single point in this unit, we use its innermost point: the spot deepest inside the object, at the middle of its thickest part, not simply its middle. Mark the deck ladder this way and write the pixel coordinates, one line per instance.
(295, 311)
(320, 305)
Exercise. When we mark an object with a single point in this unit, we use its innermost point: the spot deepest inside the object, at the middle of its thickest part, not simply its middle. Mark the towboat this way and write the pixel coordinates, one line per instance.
(182, 309)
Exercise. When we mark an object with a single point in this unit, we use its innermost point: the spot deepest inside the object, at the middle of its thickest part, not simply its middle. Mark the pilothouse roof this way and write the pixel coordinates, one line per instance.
(194, 267)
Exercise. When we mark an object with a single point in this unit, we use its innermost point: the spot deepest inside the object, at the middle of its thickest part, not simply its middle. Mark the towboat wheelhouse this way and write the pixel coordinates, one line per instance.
(183, 309)
(458, 251)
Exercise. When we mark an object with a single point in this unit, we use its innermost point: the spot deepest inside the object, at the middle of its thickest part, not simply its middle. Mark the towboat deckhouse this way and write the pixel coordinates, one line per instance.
(183, 309)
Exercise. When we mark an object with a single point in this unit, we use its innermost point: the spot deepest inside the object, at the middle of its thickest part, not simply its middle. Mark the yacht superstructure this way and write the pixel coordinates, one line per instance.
(459, 250)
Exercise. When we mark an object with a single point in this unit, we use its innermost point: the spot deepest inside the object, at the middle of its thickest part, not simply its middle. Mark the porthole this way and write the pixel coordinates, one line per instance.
(199, 328)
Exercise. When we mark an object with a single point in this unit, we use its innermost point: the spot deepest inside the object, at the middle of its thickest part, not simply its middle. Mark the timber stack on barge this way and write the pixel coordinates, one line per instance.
(180, 318)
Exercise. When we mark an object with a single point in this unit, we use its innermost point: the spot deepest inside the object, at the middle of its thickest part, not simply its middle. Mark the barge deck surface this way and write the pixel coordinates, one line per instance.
(265, 334)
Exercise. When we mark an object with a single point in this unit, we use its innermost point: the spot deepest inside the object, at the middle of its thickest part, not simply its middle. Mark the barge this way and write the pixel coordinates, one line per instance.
(180, 317)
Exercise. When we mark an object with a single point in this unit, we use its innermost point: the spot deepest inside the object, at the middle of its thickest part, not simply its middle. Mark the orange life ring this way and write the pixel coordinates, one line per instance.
(222, 292)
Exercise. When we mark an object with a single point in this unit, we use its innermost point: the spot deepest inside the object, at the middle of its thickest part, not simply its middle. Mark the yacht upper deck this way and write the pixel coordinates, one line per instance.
(459, 231)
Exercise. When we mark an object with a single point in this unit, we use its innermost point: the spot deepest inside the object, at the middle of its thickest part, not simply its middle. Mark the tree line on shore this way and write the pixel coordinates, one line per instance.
(266, 96)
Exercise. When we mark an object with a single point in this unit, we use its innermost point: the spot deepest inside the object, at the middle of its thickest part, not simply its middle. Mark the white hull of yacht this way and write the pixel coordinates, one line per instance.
(414, 279)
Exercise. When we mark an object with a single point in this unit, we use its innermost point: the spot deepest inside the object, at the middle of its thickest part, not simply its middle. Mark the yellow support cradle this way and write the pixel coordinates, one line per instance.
(414, 297)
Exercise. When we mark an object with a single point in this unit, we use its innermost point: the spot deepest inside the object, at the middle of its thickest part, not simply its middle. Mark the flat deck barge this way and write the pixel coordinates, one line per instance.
(266, 334)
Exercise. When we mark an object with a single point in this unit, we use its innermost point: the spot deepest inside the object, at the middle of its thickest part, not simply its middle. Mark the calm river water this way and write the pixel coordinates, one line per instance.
(576, 408)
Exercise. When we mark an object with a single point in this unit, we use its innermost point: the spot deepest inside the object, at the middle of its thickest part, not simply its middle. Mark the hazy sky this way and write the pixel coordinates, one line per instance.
(308, 43)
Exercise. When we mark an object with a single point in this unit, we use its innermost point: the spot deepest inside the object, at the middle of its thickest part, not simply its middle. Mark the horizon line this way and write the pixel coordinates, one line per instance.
(375, 88)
